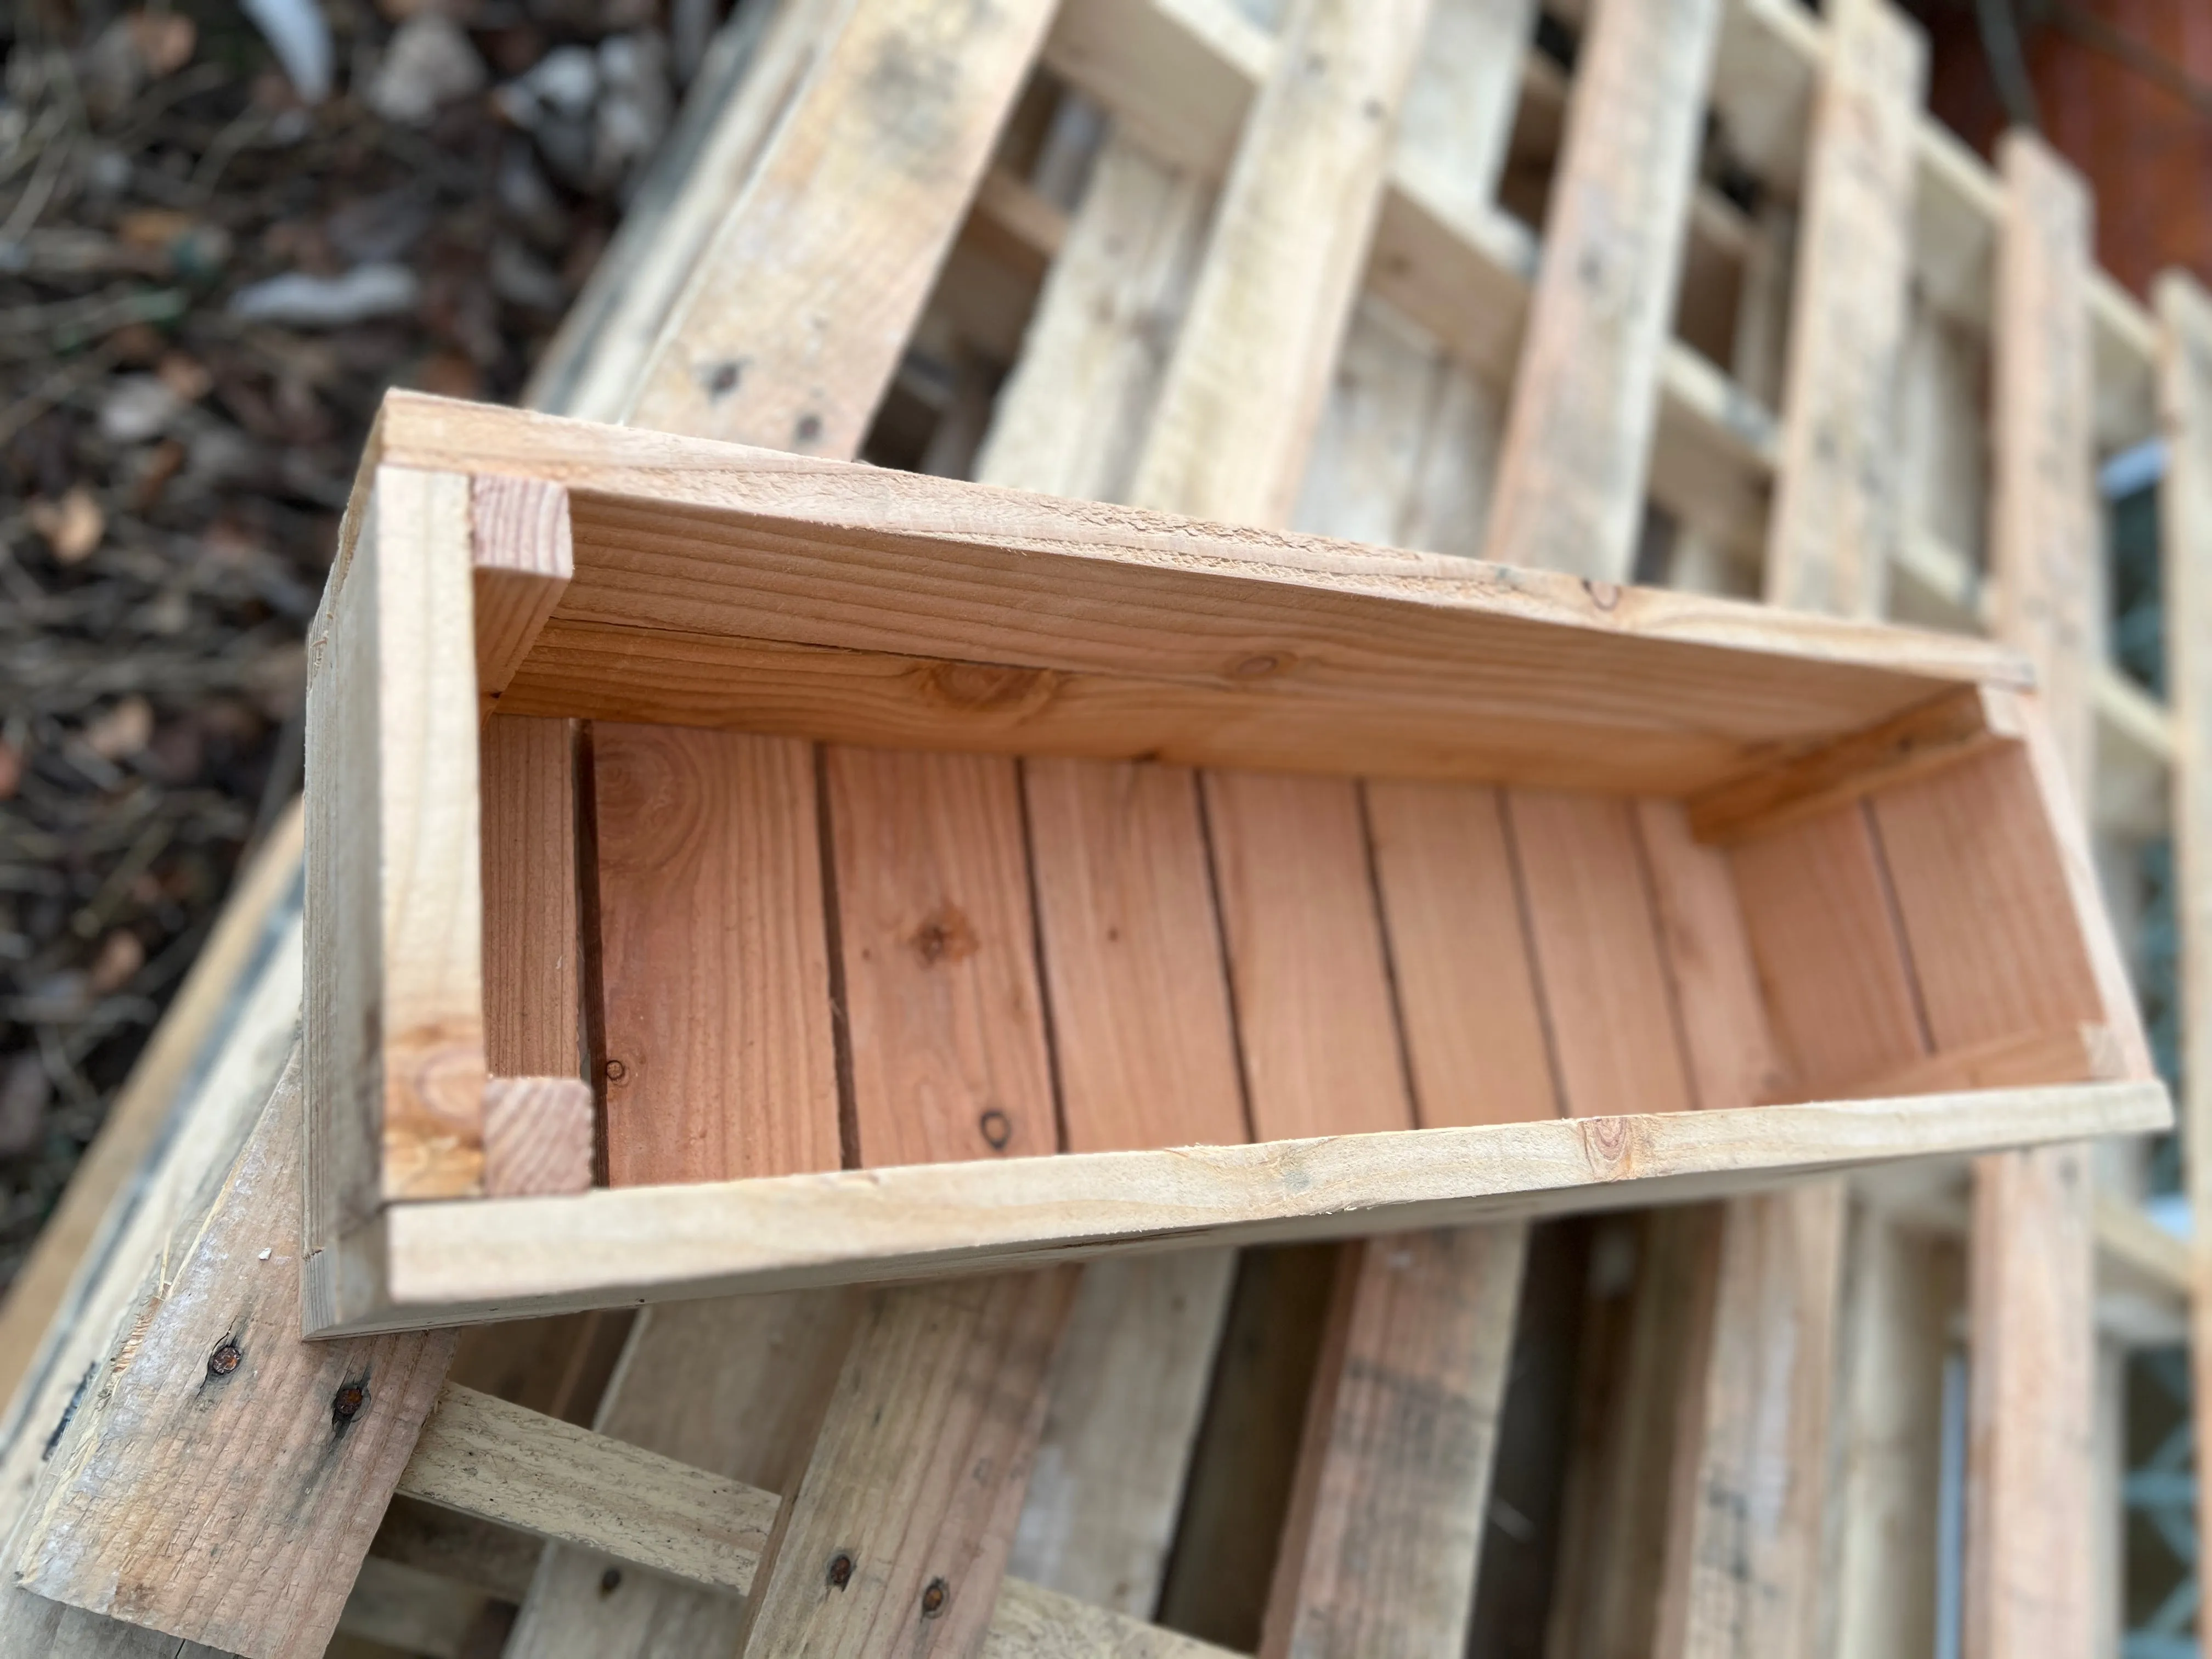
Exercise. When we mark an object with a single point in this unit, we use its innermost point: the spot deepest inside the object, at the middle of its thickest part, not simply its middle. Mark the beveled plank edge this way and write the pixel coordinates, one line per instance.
(1929, 738)
(842, 499)
(434, 1263)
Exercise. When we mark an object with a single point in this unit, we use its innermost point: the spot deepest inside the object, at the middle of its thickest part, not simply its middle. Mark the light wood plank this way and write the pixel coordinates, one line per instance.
(2185, 527)
(2049, 584)
(1319, 1033)
(503, 1462)
(1742, 1575)
(1939, 733)
(992, 616)
(532, 945)
(899, 1531)
(1615, 1032)
(1071, 417)
(212, 1374)
(1114, 1457)
(709, 855)
(538, 1136)
(1140, 1019)
(1230, 437)
(685, 1363)
(395, 1064)
(1902, 1289)
(1578, 434)
(1460, 955)
(1836, 521)
(1385, 1524)
(793, 319)
(523, 555)
(939, 948)
(2029, 1583)
(463, 1261)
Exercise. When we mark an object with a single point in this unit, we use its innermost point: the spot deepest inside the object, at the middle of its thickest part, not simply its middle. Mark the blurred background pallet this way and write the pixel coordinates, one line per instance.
(1150, 256)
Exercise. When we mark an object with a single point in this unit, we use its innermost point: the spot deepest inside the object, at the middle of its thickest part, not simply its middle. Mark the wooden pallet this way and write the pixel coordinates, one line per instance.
(1459, 373)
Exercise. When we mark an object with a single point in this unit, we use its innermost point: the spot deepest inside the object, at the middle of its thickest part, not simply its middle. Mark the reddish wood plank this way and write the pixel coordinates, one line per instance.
(1981, 890)
(1614, 1028)
(1314, 1010)
(1140, 1019)
(1459, 952)
(532, 1000)
(1707, 951)
(938, 951)
(710, 928)
(1839, 984)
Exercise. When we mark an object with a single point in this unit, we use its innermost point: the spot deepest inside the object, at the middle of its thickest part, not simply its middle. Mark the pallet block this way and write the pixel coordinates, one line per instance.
(751, 632)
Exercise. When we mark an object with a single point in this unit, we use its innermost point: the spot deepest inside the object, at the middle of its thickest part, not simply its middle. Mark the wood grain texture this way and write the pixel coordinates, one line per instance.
(1902, 1288)
(2049, 584)
(1578, 433)
(1727, 1042)
(1832, 960)
(1385, 1524)
(1140, 1019)
(1615, 1032)
(1127, 1392)
(503, 1462)
(1998, 945)
(2028, 1581)
(458, 1262)
(685, 1363)
(709, 855)
(1646, 1335)
(1231, 433)
(793, 319)
(2185, 527)
(1937, 734)
(1837, 521)
(538, 1136)
(533, 949)
(395, 1063)
(1460, 955)
(898, 1532)
(1312, 985)
(938, 946)
(212, 1376)
(1070, 419)
(522, 556)
(1742, 1574)
(932, 590)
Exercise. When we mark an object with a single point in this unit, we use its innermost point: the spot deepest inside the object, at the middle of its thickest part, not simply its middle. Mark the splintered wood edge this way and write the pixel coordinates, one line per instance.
(437, 1263)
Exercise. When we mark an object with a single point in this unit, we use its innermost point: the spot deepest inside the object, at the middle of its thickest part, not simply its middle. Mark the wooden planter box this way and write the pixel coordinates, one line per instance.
(865, 840)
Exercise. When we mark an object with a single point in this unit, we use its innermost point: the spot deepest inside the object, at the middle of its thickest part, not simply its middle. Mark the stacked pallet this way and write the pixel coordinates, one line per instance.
(1275, 273)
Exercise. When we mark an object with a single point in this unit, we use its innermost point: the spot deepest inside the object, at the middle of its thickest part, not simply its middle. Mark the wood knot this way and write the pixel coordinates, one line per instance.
(934, 1598)
(841, 1569)
(1259, 667)
(1609, 1147)
(988, 688)
(1604, 595)
(944, 935)
(997, 1128)
(224, 1360)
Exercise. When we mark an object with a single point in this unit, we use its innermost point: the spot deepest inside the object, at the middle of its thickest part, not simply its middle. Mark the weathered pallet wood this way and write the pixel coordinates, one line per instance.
(2186, 508)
